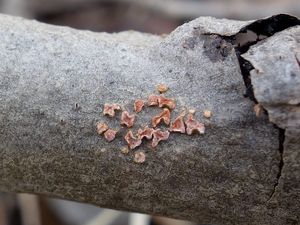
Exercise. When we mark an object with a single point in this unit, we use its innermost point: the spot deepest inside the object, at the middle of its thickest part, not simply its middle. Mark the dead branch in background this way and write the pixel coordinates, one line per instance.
(177, 9)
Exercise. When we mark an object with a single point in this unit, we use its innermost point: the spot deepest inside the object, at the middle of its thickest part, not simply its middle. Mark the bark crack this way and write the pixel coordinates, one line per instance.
(281, 162)
(298, 61)
(254, 33)
(251, 35)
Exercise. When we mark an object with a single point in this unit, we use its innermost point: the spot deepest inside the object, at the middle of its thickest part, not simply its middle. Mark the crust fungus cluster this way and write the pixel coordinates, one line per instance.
(181, 124)
(164, 116)
(178, 124)
(127, 119)
(109, 109)
(109, 134)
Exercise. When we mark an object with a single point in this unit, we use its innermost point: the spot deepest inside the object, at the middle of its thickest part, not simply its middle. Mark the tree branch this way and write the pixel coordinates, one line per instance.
(54, 82)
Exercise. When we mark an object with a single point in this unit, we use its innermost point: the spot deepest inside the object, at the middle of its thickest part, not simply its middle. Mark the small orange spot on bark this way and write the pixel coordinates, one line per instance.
(101, 127)
(127, 119)
(166, 102)
(165, 116)
(139, 157)
(109, 109)
(162, 88)
(125, 150)
(192, 111)
(132, 141)
(178, 124)
(258, 109)
(159, 135)
(153, 100)
(207, 114)
(110, 135)
(138, 105)
(145, 133)
(193, 125)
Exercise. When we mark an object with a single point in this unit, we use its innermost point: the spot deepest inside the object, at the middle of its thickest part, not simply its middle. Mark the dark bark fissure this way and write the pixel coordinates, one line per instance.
(298, 61)
(281, 162)
(262, 29)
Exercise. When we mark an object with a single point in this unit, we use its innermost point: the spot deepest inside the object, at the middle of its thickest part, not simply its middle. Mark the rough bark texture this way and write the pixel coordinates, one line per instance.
(276, 84)
(55, 81)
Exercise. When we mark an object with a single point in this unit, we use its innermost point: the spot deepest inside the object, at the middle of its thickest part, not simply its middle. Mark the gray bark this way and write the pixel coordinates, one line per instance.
(54, 82)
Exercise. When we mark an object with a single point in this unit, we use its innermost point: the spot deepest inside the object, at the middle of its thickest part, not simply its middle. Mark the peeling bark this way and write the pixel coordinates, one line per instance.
(276, 82)
(56, 80)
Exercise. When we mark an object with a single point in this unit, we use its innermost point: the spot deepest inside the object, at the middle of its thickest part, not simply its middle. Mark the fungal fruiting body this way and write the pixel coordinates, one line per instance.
(132, 141)
(178, 124)
(159, 135)
(139, 157)
(161, 101)
(145, 133)
(162, 88)
(138, 105)
(165, 116)
(109, 109)
(127, 119)
(166, 102)
(188, 125)
(153, 100)
(101, 127)
(207, 114)
(193, 125)
(110, 135)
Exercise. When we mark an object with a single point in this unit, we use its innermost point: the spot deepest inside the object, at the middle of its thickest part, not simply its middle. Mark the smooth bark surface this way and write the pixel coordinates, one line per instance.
(54, 82)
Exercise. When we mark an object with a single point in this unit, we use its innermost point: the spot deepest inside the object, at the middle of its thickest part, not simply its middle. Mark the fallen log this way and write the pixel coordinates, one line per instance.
(54, 82)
